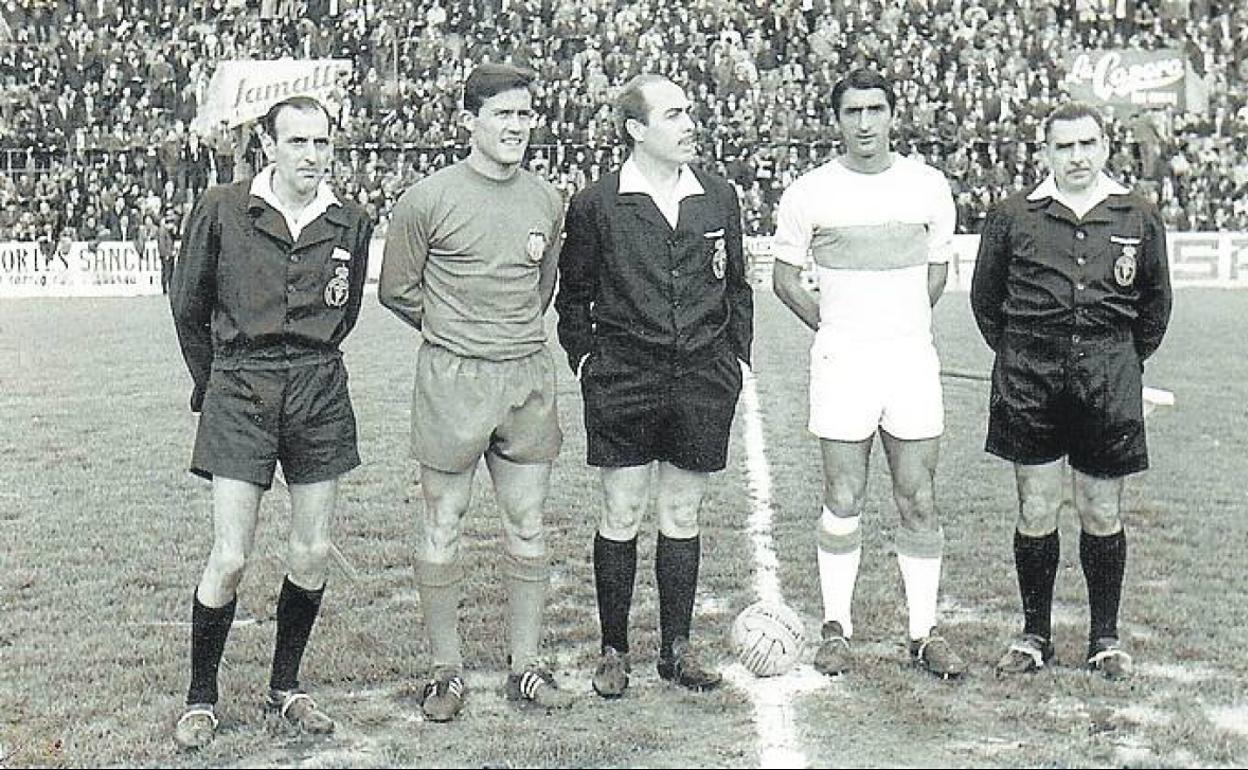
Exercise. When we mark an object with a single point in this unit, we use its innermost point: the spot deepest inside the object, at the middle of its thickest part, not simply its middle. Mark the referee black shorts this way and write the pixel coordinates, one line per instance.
(300, 416)
(1054, 398)
(638, 409)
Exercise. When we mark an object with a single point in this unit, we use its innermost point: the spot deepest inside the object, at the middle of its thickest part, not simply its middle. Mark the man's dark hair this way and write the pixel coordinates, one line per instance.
(491, 79)
(269, 121)
(863, 79)
(631, 104)
(1073, 111)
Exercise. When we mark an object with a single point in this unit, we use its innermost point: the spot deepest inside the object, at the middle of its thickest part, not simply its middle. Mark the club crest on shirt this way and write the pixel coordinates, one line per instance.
(1124, 267)
(338, 288)
(719, 260)
(536, 245)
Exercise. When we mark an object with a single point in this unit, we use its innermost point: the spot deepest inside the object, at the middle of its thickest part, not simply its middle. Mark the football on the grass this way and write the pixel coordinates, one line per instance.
(768, 638)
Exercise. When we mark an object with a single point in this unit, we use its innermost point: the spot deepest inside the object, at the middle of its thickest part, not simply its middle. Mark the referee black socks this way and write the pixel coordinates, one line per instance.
(297, 609)
(615, 572)
(676, 564)
(209, 628)
(1035, 559)
(1104, 561)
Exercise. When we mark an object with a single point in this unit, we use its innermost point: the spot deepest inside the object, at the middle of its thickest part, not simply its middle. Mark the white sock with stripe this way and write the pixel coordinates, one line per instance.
(919, 557)
(839, 553)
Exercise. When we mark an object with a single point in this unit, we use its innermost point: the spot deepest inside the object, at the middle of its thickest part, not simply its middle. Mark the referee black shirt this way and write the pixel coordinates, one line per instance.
(1043, 272)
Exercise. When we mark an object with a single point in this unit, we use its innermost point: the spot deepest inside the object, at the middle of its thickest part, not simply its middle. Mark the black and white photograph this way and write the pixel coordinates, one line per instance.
(623, 383)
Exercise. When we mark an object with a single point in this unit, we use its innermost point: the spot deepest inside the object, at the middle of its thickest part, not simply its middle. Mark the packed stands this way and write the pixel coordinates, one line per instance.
(97, 96)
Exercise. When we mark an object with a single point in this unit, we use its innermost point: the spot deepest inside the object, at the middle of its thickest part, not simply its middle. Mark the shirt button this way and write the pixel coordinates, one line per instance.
(675, 273)
(1079, 286)
(1074, 338)
(1082, 260)
(1080, 235)
(290, 288)
(294, 257)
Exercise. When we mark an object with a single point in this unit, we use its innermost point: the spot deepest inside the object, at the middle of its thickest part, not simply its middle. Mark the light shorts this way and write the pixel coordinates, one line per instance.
(857, 388)
(465, 407)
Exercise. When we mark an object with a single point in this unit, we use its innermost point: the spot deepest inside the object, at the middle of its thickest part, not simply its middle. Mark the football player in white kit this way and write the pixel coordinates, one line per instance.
(879, 227)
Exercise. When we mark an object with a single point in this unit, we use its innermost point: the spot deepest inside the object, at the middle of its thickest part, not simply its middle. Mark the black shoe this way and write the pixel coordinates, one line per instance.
(1107, 657)
(611, 677)
(833, 656)
(684, 668)
(537, 686)
(1030, 653)
(443, 696)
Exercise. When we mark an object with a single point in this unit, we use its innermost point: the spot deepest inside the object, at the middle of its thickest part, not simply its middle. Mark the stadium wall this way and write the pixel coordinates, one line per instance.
(118, 269)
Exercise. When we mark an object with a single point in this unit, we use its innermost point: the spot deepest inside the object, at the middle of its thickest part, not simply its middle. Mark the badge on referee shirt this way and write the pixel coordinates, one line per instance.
(338, 288)
(719, 260)
(1124, 266)
(536, 246)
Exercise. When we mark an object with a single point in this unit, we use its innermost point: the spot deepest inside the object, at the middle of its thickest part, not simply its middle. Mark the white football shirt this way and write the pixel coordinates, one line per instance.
(871, 238)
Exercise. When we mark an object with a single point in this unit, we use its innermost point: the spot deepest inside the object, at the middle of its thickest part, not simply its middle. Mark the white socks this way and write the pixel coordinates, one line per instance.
(838, 567)
(921, 577)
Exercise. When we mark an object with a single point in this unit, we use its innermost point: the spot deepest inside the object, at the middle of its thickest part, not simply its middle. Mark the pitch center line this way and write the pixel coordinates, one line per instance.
(772, 698)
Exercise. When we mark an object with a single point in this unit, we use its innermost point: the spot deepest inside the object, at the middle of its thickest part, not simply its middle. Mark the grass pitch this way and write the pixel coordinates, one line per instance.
(103, 535)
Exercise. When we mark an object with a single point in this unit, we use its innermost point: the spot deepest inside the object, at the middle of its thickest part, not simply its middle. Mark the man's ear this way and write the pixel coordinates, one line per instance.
(467, 120)
(635, 129)
(267, 144)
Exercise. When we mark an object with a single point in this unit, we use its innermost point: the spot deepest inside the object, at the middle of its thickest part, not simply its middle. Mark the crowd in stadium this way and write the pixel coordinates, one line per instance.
(97, 97)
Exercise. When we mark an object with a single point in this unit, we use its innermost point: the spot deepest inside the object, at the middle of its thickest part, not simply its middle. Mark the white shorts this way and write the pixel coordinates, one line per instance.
(856, 388)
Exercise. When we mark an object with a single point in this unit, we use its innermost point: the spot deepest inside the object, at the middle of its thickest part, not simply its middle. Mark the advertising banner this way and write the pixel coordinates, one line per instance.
(242, 91)
(1128, 80)
(116, 269)
(103, 269)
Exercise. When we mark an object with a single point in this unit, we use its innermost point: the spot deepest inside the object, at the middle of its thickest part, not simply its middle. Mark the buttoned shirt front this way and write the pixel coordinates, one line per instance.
(1042, 271)
(654, 292)
(245, 294)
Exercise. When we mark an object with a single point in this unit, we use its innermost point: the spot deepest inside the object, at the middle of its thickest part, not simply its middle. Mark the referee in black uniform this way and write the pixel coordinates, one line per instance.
(1072, 291)
(268, 284)
(656, 315)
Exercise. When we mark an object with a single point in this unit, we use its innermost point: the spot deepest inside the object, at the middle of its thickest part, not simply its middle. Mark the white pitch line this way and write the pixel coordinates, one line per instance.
(772, 697)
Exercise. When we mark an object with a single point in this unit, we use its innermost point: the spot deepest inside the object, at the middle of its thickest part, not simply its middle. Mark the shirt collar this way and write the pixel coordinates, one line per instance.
(633, 181)
(1104, 186)
(262, 188)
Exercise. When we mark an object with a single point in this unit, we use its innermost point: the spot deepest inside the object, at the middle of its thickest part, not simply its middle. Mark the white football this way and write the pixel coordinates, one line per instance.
(768, 637)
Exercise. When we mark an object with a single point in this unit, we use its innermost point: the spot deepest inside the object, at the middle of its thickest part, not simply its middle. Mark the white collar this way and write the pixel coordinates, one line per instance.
(633, 181)
(262, 188)
(1103, 187)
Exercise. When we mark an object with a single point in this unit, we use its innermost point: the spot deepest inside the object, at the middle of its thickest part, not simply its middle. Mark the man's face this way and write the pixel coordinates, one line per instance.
(866, 122)
(668, 133)
(500, 128)
(1076, 151)
(301, 149)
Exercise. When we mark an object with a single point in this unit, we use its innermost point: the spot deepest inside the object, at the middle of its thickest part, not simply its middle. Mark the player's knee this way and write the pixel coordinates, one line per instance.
(441, 539)
(526, 531)
(679, 521)
(1037, 514)
(842, 497)
(226, 568)
(1102, 519)
(621, 518)
(917, 501)
(308, 555)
